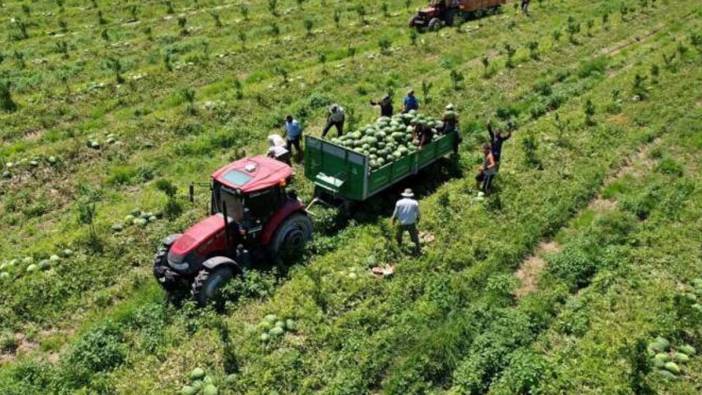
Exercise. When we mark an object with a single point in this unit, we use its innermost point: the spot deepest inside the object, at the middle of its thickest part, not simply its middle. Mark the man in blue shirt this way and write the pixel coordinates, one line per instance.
(293, 135)
(410, 102)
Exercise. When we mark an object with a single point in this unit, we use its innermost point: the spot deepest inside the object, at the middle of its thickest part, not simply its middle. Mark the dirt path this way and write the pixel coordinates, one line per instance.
(531, 267)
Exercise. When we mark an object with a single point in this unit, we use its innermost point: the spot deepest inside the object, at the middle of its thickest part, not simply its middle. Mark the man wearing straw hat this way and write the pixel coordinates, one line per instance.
(407, 213)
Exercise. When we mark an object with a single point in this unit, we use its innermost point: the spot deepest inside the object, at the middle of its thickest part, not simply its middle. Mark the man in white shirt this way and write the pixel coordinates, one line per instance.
(407, 213)
(336, 118)
(277, 150)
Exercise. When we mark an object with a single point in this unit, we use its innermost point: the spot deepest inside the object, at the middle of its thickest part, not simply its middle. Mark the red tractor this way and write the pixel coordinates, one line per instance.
(443, 12)
(252, 218)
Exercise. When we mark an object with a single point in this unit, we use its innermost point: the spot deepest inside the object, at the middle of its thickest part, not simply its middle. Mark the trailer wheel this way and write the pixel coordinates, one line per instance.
(290, 238)
(435, 24)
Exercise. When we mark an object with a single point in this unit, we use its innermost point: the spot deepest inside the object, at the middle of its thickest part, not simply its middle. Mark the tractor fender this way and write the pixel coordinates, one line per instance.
(289, 208)
(219, 261)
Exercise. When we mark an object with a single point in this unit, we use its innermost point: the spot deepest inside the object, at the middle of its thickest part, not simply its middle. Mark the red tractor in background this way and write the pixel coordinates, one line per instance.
(252, 218)
(443, 12)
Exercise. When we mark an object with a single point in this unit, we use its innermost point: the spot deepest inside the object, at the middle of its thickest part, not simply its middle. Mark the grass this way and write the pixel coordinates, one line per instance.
(428, 329)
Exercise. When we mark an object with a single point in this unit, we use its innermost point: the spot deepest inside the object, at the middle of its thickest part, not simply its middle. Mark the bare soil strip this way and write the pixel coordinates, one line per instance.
(531, 267)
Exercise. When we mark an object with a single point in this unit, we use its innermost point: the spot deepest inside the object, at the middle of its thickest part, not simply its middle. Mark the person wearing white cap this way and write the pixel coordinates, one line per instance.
(277, 149)
(336, 118)
(407, 214)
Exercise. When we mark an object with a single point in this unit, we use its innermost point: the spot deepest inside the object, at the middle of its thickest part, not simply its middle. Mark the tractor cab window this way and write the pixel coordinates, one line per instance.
(263, 204)
(222, 196)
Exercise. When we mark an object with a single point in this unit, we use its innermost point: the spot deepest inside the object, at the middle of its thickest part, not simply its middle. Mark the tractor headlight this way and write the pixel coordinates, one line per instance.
(176, 261)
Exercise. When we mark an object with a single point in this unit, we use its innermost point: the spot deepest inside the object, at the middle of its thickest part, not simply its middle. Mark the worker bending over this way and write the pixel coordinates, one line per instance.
(422, 134)
(336, 118)
(385, 106)
(407, 213)
(277, 149)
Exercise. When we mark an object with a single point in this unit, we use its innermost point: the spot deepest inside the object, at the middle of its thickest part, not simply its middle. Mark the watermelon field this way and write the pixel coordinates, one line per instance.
(580, 274)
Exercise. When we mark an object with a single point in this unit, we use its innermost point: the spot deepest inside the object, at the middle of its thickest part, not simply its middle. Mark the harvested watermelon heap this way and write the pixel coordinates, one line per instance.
(389, 138)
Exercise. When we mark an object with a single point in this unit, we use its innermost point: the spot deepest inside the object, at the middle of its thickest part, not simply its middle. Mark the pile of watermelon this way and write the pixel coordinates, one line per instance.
(388, 139)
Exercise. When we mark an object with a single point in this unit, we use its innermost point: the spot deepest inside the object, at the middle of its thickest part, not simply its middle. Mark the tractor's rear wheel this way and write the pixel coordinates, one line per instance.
(208, 284)
(290, 238)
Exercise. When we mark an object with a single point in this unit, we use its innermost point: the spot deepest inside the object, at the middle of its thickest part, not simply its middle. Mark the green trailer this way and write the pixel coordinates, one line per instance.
(342, 173)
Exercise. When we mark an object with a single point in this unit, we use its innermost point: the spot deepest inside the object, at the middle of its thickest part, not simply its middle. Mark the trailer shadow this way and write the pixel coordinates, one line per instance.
(423, 184)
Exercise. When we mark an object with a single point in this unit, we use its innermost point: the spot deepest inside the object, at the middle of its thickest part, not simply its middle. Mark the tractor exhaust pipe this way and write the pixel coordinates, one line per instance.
(227, 231)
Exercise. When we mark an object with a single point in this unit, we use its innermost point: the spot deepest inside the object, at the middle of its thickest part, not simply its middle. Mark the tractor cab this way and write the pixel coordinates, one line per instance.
(250, 191)
(252, 217)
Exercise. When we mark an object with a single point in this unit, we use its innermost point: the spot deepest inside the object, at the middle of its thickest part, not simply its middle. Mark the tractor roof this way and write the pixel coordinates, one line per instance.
(253, 174)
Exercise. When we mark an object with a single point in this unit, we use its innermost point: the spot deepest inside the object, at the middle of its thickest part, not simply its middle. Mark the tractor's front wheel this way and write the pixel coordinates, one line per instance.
(208, 284)
(290, 238)
(167, 278)
(435, 24)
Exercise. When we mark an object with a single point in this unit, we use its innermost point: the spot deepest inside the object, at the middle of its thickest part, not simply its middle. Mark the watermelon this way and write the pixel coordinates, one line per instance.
(210, 389)
(264, 337)
(660, 360)
(280, 324)
(687, 349)
(272, 318)
(290, 325)
(188, 390)
(680, 357)
(67, 252)
(197, 374)
(660, 344)
(32, 268)
(666, 374)
(672, 367)
(4, 275)
(276, 331)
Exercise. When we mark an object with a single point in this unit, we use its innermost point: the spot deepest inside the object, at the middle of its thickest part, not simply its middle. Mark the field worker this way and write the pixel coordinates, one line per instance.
(385, 106)
(496, 141)
(525, 7)
(293, 135)
(450, 120)
(422, 134)
(407, 213)
(410, 103)
(336, 118)
(487, 171)
(277, 150)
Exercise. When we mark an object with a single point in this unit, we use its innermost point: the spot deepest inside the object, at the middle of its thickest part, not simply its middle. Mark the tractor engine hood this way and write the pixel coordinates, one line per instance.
(197, 243)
